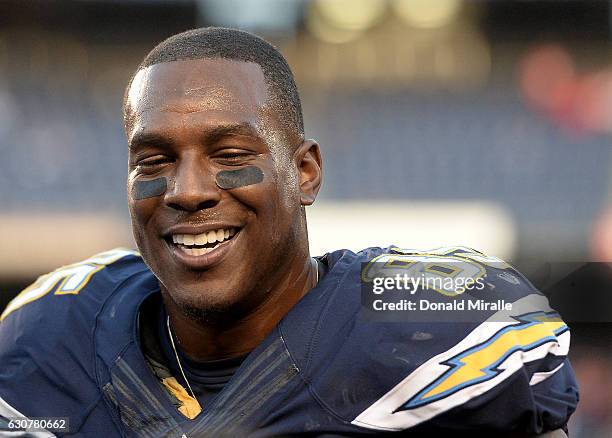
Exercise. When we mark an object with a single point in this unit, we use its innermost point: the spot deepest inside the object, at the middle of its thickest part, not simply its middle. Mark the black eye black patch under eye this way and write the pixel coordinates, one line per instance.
(232, 179)
(149, 189)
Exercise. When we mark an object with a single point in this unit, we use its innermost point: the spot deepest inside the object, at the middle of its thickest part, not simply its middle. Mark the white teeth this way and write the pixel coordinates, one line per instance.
(202, 239)
(197, 251)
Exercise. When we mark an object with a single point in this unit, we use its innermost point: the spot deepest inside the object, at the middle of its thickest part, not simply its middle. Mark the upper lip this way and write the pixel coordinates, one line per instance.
(197, 229)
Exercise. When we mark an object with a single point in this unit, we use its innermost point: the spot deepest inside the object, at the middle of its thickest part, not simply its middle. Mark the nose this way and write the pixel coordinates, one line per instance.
(194, 186)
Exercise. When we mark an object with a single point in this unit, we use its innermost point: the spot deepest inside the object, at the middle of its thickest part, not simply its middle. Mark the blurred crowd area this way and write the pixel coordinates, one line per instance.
(486, 123)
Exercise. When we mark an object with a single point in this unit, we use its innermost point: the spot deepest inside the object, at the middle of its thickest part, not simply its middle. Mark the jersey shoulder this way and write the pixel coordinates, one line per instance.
(405, 372)
(450, 271)
(46, 335)
(84, 285)
(60, 309)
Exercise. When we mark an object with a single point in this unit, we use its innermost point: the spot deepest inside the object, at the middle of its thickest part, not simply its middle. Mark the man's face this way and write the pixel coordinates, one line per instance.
(213, 240)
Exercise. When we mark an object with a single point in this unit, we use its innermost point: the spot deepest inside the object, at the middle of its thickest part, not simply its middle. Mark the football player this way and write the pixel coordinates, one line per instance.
(224, 325)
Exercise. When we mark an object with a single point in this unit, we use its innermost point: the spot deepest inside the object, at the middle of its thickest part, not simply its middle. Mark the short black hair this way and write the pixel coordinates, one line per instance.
(236, 45)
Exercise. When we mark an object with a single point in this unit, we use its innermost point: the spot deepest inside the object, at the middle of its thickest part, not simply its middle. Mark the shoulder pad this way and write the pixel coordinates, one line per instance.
(74, 284)
(46, 335)
(395, 375)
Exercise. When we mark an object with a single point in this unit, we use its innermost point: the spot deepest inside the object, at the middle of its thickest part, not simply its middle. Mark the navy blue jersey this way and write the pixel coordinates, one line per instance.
(70, 346)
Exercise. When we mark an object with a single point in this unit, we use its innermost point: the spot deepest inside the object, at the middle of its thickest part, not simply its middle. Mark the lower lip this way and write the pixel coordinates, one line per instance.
(203, 261)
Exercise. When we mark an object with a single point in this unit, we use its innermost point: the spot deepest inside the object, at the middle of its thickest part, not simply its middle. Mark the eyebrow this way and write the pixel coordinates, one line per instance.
(148, 139)
(210, 136)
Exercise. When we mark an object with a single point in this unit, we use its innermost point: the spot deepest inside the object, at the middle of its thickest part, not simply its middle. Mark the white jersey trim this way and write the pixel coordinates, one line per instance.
(540, 377)
(384, 414)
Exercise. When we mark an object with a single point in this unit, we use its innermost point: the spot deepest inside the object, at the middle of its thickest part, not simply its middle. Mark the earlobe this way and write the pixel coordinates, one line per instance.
(310, 168)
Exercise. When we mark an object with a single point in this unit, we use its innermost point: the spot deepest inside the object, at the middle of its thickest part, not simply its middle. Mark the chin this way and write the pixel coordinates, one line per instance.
(211, 308)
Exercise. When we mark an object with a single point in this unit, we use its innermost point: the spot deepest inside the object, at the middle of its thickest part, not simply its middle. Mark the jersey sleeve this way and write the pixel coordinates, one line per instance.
(509, 373)
(46, 347)
(503, 369)
(524, 404)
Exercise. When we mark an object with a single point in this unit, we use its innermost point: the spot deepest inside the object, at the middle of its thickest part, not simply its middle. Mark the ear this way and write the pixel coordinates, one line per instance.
(309, 165)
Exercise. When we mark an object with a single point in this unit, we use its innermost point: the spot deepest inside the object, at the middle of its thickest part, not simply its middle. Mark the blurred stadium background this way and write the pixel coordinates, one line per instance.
(486, 124)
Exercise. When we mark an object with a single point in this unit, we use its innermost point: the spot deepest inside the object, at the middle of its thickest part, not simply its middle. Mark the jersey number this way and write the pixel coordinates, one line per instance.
(71, 279)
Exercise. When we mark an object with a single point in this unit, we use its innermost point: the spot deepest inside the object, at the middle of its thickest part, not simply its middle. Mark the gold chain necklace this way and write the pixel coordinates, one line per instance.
(178, 361)
(315, 265)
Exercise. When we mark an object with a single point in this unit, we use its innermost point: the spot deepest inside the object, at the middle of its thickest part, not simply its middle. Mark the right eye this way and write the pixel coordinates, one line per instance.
(153, 161)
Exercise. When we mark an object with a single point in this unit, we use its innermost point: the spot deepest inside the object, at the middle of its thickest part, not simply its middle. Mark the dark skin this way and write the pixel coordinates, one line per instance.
(186, 121)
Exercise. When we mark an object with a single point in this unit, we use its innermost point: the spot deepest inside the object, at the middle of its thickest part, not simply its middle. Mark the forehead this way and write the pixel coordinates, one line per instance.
(235, 89)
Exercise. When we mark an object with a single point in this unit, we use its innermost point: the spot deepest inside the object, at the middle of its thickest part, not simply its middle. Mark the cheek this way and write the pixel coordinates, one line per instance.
(233, 179)
(282, 202)
(289, 193)
(143, 198)
(260, 199)
(145, 189)
(266, 200)
(141, 212)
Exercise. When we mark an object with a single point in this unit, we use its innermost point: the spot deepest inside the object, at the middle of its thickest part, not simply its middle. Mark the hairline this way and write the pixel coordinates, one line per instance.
(268, 82)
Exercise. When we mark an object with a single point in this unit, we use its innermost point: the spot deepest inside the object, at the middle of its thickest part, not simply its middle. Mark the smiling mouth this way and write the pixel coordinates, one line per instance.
(201, 244)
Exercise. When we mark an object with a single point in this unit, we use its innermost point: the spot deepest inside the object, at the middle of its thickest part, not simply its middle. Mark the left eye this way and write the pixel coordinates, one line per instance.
(153, 161)
(232, 157)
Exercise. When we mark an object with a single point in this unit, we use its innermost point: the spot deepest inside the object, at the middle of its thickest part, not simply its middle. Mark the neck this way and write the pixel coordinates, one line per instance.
(208, 341)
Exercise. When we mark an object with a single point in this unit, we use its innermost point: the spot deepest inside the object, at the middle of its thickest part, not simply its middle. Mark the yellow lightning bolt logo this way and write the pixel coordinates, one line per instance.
(480, 363)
